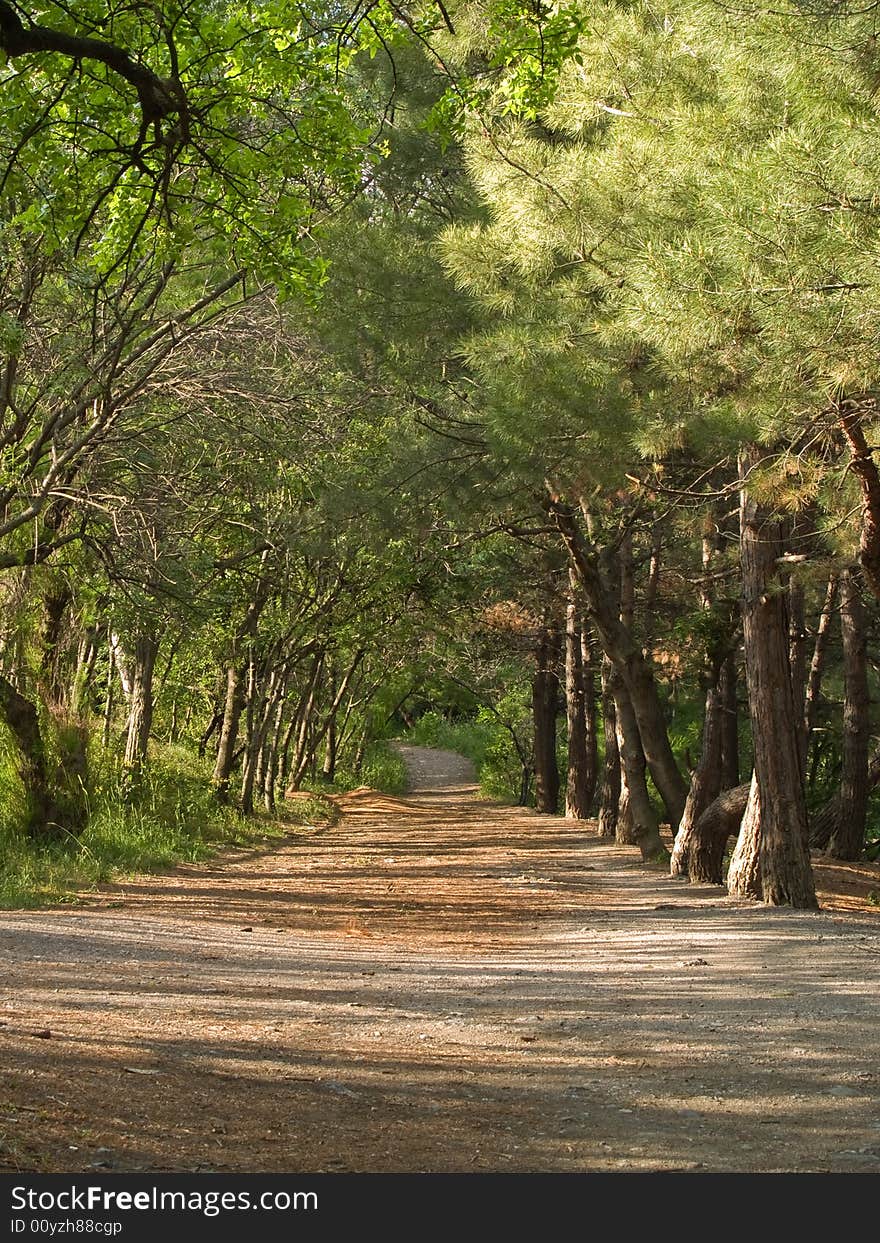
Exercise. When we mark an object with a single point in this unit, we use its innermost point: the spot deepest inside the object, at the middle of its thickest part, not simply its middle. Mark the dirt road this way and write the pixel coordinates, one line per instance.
(436, 984)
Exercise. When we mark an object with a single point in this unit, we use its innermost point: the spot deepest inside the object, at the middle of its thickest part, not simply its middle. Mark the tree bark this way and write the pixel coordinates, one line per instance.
(234, 702)
(720, 821)
(55, 605)
(817, 664)
(581, 778)
(865, 470)
(621, 648)
(328, 768)
(645, 830)
(140, 710)
(786, 874)
(744, 873)
(797, 660)
(545, 703)
(609, 802)
(705, 785)
(22, 720)
(848, 838)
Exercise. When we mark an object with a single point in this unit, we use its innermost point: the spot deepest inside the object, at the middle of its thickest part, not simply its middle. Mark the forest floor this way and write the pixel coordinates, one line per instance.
(439, 984)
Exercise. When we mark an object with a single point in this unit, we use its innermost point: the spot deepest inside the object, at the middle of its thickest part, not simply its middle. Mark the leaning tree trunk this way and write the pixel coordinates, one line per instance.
(705, 784)
(609, 800)
(848, 838)
(622, 649)
(317, 735)
(271, 753)
(20, 717)
(744, 873)
(786, 874)
(645, 830)
(258, 709)
(234, 703)
(545, 702)
(304, 713)
(817, 664)
(721, 820)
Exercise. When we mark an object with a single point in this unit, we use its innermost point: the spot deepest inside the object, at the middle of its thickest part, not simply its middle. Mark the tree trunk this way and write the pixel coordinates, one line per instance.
(729, 724)
(55, 605)
(621, 648)
(848, 838)
(545, 702)
(328, 768)
(744, 873)
(588, 667)
(797, 660)
(109, 689)
(786, 874)
(121, 662)
(257, 718)
(228, 733)
(817, 664)
(270, 764)
(826, 819)
(865, 470)
(645, 829)
(140, 710)
(609, 801)
(317, 736)
(720, 821)
(581, 778)
(22, 720)
(705, 784)
(304, 715)
(216, 719)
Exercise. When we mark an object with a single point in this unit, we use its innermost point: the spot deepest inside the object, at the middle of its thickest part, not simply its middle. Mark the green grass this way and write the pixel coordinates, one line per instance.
(382, 769)
(173, 819)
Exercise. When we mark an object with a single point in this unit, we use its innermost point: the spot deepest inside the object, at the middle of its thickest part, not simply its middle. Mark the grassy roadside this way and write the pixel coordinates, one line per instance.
(174, 819)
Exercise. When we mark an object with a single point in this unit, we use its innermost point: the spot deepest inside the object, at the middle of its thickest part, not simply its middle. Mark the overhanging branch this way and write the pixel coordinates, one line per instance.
(158, 98)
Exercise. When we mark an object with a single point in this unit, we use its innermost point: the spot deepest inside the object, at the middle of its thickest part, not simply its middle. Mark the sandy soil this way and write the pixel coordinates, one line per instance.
(437, 984)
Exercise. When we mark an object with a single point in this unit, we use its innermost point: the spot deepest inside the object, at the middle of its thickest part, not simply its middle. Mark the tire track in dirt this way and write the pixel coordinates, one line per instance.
(436, 984)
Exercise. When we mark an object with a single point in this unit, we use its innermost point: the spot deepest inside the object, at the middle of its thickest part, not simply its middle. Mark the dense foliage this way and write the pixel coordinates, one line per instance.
(501, 372)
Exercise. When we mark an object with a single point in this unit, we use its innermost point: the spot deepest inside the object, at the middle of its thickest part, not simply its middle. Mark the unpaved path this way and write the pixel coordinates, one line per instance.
(436, 984)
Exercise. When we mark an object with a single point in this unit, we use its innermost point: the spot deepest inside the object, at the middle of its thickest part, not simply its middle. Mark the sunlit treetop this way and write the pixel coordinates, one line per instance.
(125, 123)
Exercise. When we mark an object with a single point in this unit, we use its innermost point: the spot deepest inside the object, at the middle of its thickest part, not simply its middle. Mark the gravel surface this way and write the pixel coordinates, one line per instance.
(436, 984)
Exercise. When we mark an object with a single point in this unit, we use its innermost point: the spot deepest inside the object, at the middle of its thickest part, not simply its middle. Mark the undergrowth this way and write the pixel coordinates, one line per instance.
(171, 818)
(382, 769)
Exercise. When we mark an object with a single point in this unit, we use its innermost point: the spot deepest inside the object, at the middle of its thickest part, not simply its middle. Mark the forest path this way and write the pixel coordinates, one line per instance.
(436, 984)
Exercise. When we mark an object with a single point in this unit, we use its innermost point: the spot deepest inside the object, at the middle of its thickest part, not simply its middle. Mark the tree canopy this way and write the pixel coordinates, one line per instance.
(501, 367)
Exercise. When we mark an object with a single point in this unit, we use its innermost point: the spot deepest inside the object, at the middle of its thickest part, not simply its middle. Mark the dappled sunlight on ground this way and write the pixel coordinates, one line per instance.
(437, 984)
